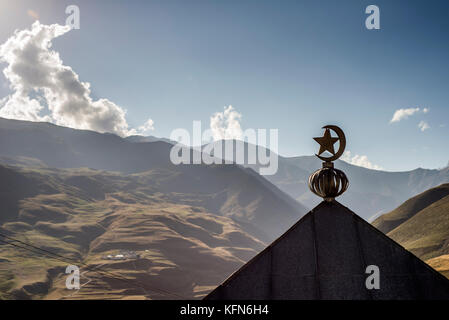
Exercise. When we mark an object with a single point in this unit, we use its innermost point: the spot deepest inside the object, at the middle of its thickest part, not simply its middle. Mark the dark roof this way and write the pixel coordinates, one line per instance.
(324, 256)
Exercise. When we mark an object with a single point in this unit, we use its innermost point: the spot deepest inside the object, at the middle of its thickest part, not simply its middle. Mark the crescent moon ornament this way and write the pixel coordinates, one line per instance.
(327, 143)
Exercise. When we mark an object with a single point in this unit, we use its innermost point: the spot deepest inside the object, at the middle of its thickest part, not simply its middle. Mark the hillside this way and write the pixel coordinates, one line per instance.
(426, 233)
(441, 264)
(410, 208)
(421, 225)
(191, 229)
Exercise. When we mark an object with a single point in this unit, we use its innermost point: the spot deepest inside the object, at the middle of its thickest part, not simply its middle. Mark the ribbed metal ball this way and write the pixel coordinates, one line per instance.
(328, 183)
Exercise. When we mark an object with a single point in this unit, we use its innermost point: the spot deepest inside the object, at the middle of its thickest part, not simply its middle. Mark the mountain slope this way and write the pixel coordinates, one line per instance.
(421, 225)
(441, 264)
(426, 233)
(191, 227)
(411, 207)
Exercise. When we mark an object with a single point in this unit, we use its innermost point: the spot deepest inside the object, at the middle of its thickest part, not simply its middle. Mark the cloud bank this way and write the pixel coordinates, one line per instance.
(359, 160)
(44, 89)
(226, 125)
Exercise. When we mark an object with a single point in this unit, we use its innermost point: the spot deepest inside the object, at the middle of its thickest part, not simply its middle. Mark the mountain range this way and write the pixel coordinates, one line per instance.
(88, 196)
(371, 192)
(190, 225)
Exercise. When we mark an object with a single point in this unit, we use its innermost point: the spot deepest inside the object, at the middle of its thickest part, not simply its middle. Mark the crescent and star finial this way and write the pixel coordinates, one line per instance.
(329, 182)
(327, 143)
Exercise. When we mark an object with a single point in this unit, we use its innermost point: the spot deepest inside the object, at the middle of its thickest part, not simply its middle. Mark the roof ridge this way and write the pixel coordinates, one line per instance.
(399, 262)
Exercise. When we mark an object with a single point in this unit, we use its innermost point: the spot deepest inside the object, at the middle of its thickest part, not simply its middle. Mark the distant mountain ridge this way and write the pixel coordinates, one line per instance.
(140, 139)
(61, 147)
(370, 194)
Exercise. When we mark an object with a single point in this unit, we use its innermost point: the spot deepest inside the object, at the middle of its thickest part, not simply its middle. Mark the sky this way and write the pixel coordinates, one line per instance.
(149, 67)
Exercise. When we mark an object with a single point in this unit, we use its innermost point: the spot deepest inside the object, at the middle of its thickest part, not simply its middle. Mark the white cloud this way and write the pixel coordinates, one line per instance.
(147, 126)
(226, 124)
(43, 84)
(423, 125)
(401, 114)
(359, 160)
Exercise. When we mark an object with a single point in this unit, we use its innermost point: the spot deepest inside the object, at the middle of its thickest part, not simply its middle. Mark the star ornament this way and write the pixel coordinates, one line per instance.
(326, 142)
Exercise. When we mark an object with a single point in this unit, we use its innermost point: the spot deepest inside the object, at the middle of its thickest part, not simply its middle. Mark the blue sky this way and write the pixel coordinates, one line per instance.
(290, 65)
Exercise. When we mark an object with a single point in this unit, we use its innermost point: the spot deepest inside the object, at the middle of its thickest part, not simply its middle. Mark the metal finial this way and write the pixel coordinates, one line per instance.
(329, 182)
